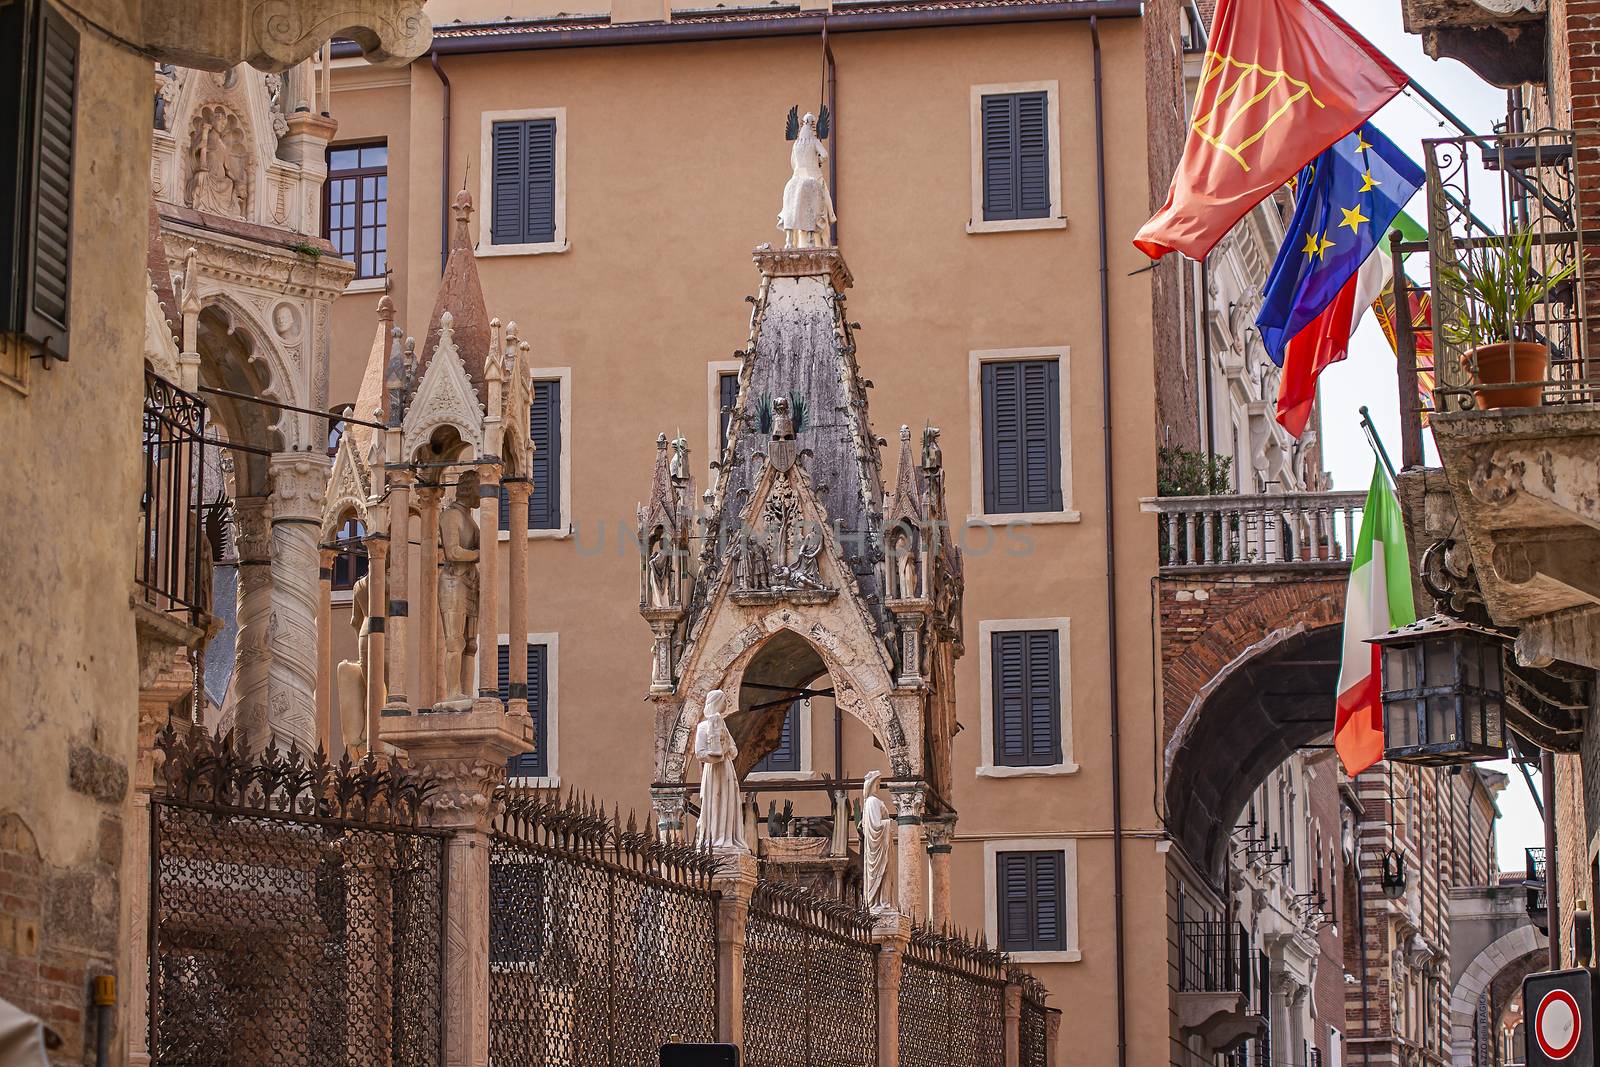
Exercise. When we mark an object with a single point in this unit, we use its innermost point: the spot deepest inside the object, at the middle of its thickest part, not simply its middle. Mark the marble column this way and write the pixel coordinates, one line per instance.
(909, 802)
(939, 834)
(891, 931)
(325, 667)
(299, 480)
(252, 649)
(377, 597)
(398, 623)
(466, 752)
(489, 583)
(518, 490)
(735, 882)
(1011, 1013)
(428, 499)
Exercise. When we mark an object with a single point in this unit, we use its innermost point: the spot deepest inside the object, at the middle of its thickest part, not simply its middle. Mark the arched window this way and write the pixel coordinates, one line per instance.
(351, 562)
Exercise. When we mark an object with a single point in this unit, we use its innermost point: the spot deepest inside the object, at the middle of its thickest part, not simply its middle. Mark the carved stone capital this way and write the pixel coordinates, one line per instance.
(466, 754)
(252, 517)
(274, 35)
(299, 480)
(804, 263)
(910, 801)
(939, 833)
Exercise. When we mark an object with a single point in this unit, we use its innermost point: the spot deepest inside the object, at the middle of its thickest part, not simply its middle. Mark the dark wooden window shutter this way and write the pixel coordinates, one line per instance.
(727, 396)
(1027, 697)
(38, 97)
(786, 757)
(535, 764)
(1016, 156)
(1032, 901)
(524, 182)
(1022, 436)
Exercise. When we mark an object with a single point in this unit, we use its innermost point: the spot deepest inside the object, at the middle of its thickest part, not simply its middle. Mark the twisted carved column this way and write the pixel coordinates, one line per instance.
(252, 649)
(298, 482)
(325, 647)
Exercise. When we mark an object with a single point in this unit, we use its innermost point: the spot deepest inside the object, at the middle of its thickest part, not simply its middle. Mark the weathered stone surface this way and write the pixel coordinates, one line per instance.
(96, 774)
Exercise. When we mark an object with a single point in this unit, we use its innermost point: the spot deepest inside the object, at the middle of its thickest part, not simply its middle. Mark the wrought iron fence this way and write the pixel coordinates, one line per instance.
(1266, 531)
(171, 566)
(602, 938)
(952, 1002)
(1034, 1037)
(296, 911)
(1493, 202)
(810, 982)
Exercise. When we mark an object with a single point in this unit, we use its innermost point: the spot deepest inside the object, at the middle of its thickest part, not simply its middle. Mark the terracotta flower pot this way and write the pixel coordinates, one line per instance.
(1501, 364)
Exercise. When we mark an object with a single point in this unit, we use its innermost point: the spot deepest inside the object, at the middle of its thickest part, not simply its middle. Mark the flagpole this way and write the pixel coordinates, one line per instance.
(1376, 442)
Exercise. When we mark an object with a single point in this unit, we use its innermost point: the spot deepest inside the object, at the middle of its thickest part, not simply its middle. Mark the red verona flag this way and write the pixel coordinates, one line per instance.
(1283, 80)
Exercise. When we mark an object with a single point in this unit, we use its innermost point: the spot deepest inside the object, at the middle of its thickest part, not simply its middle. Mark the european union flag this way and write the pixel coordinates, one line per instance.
(1345, 202)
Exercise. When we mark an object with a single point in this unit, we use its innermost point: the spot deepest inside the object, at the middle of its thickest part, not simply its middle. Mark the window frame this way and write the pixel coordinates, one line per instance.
(360, 281)
(976, 359)
(1055, 218)
(558, 242)
(1068, 847)
(356, 553)
(551, 779)
(989, 767)
(563, 529)
(804, 733)
(715, 369)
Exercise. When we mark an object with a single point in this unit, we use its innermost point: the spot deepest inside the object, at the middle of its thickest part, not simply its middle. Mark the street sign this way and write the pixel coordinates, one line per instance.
(681, 1055)
(1559, 1009)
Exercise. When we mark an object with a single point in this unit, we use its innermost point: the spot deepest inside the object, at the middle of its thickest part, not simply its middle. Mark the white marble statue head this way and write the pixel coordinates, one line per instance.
(714, 702)
(870, 783)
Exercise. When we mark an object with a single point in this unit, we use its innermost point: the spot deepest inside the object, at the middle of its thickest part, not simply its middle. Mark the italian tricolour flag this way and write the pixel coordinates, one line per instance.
(1378, 600)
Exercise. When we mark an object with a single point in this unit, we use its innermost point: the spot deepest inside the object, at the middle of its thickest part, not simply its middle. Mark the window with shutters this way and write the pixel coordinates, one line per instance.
(356, 212)
(1021, 454)
(38, 102)
(722, 393)
(524, 181)
(1034, 909)
(786, 758)
(1026, 698)
(539, 763)
(1016, 157)
(548, 430)
(351, 562)
(727, 397)
(1027, 694)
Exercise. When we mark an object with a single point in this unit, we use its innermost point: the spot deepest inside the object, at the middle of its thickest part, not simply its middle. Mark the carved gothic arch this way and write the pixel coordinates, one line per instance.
(349, 489)
(266, 365)
(445, 398)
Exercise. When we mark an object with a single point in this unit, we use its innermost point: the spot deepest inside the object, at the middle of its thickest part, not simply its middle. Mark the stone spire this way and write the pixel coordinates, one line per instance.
(461, 294)
(370, 401)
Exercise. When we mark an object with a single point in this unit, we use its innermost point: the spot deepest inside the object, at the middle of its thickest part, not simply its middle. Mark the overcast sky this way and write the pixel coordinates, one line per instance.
(1368, 376)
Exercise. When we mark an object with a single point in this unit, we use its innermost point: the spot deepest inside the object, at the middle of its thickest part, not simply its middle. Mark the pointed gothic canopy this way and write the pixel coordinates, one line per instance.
(461, 294)
(371, 400)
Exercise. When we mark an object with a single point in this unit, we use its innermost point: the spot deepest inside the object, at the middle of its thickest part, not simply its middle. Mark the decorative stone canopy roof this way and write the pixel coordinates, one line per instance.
(461, 294)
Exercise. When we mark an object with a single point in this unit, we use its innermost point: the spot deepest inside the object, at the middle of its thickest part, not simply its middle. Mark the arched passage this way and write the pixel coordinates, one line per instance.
(1501, 966)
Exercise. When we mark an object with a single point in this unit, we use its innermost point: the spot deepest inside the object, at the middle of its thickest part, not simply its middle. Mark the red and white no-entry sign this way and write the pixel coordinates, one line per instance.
(1558, 1024)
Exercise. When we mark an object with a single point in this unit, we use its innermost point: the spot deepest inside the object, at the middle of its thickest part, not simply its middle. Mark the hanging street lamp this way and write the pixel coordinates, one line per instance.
(1443, 692)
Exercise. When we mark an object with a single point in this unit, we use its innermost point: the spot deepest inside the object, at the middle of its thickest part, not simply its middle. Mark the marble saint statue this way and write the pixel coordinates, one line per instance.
(877, 838)
(807, 205)
(721, 826)
(352, 674)
(458, 589)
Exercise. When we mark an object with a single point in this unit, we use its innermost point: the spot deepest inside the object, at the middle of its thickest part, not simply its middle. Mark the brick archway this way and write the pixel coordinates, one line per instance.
(1249, 669)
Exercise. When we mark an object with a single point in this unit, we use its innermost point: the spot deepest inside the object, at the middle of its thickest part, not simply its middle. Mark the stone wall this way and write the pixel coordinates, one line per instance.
(66, 531)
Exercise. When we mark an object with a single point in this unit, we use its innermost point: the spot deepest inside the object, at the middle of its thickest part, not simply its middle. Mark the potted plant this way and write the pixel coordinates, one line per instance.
(1499, 287)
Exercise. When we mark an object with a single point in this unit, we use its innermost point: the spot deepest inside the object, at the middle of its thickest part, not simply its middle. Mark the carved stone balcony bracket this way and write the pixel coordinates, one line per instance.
(274, 35)
(1223, 1021)
(1503, 41)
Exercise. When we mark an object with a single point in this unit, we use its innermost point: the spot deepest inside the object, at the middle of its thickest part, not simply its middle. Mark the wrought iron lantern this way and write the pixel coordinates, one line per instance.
(1443, 694)
(1394, 874)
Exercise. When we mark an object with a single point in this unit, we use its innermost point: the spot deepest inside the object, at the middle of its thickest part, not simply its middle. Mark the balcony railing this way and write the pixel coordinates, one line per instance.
(1482, 193)
(1214, 957)
(1265, 532)
(1534, 881)
(173, 562)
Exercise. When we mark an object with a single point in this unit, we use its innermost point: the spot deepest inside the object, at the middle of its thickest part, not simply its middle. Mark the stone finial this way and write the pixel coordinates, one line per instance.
(905, 432)
(386, 309)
